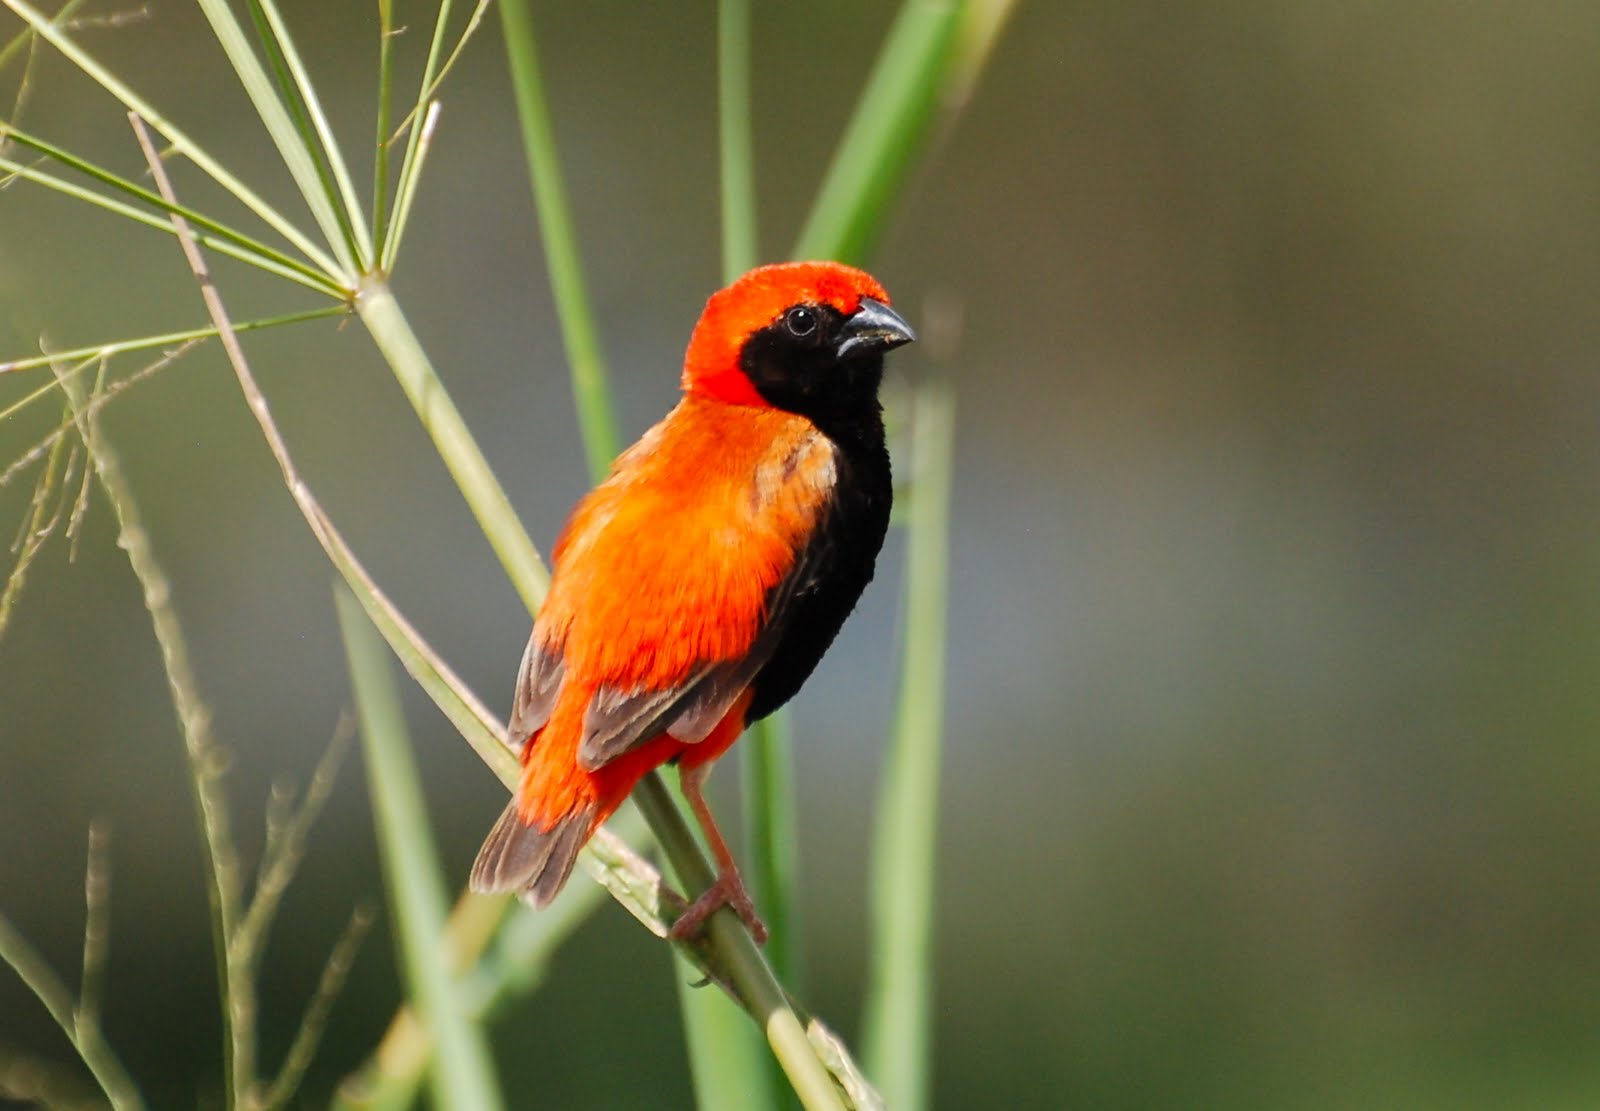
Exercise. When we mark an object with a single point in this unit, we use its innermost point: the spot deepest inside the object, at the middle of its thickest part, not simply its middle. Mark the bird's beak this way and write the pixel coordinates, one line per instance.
(873, 329)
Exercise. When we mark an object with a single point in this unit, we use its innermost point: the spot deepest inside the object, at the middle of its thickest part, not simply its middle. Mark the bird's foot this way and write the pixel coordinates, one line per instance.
(729, 891)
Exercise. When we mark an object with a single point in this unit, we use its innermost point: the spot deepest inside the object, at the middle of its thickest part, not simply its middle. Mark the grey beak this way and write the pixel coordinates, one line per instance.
(874, 328)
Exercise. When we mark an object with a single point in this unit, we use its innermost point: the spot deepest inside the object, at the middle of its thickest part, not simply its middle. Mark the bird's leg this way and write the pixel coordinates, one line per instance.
(728, 890)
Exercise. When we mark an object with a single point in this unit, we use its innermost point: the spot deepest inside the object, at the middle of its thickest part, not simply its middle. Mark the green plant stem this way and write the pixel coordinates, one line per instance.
(740, 960)
(380, 312)
(589, 377)
(898, 1012)
(463, 1075)
(734, 133)
(86, 1038)
(889, 124)
(205, 756)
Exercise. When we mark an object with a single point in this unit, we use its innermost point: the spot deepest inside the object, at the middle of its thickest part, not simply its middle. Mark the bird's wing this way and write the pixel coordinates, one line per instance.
(538, 683)
(617, 721)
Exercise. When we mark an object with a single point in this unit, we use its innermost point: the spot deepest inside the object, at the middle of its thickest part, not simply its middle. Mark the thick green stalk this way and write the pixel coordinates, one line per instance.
(589, 377)
(898, 1015)
(380, 312)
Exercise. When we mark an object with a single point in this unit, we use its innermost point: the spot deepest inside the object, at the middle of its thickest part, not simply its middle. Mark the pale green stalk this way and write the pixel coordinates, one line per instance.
(899, 1010)
(463, 1072)
(380, 312)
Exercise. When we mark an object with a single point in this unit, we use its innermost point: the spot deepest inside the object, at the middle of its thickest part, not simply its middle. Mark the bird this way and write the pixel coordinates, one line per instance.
(695, 589)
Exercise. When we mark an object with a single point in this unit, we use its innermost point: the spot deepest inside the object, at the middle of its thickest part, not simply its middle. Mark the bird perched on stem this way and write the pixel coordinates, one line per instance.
(696, 588)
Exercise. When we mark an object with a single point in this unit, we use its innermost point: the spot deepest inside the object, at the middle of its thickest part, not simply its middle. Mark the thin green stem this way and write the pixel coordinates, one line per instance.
(772, 856)
(317, 139)
(47, 987)
(224, 239)
(739, 252)
(167, 339)
(463, 1074)
(380, 160)
(298, 155)
(414, 140)
(181, 143)
(591, 392)
(899, 1009)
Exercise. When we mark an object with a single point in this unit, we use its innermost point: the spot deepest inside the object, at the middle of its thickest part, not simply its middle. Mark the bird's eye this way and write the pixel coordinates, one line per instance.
(800, 320)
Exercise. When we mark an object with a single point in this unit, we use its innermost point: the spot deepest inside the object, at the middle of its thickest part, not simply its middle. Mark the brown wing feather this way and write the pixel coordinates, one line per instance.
(538, 681)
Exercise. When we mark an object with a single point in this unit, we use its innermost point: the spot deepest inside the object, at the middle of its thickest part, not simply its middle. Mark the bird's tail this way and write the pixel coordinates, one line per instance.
(534, 863)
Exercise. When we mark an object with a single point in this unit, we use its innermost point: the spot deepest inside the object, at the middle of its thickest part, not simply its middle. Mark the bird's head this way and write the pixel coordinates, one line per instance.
(801, 336)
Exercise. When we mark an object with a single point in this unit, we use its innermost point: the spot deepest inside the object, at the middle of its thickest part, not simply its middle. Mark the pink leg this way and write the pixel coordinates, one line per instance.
(728, 890)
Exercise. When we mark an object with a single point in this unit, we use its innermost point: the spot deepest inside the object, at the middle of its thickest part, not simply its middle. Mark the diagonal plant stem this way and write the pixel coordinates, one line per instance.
(144, 343)
(224, 239)
(86, 1038)
(387, 324)
(334, 973)
(934, 54)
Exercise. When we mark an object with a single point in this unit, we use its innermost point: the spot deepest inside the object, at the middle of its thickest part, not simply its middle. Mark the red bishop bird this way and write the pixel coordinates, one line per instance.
(696, 588)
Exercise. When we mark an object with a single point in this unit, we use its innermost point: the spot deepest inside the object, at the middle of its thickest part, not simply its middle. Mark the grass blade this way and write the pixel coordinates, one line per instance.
(589, 378)
(380, 160)
(311, 123)
(898, 1013)
(223, 239)
(340, 275)
(295, 147)
(463, 1073)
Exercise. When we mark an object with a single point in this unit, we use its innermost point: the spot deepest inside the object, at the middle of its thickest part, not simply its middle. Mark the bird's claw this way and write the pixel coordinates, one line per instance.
(728, 892)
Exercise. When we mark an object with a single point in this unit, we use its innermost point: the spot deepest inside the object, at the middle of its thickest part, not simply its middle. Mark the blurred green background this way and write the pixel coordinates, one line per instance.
(1271, 775)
